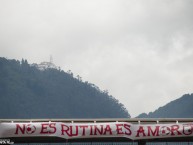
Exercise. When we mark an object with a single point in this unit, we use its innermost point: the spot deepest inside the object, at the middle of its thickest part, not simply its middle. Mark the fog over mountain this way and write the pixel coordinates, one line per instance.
(139, 50)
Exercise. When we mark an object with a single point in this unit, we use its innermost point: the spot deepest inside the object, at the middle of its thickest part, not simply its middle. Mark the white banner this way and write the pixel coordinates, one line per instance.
(92, 130)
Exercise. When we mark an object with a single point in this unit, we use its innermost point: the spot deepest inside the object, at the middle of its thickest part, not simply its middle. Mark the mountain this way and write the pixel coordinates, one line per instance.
(28, 92)
(179, 108)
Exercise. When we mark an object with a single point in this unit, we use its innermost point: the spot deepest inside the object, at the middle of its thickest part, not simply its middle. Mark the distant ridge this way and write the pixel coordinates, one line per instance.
(28, 92)
(179, 108)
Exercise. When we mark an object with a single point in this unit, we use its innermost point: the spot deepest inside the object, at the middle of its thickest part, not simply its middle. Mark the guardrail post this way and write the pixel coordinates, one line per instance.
(141, 142)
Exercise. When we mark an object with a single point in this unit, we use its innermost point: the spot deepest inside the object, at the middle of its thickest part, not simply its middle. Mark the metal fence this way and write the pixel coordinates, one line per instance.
(112, 143)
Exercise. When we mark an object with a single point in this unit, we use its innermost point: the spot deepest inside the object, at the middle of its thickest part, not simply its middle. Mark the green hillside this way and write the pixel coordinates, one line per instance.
(27, 92)
(179, 108)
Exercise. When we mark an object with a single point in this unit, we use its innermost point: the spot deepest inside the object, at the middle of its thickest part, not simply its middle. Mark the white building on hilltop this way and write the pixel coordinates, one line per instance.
(46, 65)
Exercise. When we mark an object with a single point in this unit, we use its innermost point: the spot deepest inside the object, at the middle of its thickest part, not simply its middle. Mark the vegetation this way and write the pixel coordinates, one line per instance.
(180, 108)
(27, 92)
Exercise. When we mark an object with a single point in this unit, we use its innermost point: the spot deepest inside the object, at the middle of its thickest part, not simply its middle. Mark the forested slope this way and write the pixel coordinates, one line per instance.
(27, 92)
(179, 108)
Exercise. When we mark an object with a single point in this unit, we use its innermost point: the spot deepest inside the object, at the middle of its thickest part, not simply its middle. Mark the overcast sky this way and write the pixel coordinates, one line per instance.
(141, 51)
